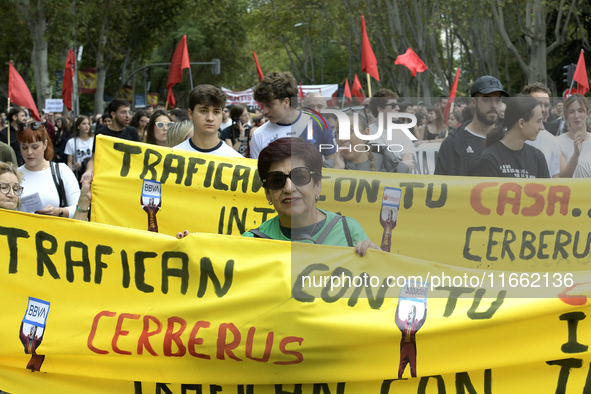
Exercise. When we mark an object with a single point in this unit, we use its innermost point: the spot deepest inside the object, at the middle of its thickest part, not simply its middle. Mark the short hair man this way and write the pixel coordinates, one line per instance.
(545, 141)
(161, 106)
(119, 109)
(460, 152)
(226, 121)
(16, 116)
(178, 114)
(315, 101)
(383, 102)
(206, 105)
(275, 93)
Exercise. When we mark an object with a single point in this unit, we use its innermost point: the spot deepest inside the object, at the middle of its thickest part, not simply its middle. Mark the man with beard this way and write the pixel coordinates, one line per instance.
(119, 110)
(460, 151)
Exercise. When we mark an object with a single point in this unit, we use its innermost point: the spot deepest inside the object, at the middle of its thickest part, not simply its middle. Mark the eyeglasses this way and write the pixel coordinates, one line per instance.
(161, 125)
(5, 188)
(32, 125)
(300, 176)
(358, 109)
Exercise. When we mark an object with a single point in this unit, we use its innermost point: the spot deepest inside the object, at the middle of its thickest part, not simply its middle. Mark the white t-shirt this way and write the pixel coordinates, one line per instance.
(546, 142)
(83, 149)
(225, 125)
(583, 169)
(42, 182)
(322, 136)
(221, 149)
(398, 137)
(567, 146)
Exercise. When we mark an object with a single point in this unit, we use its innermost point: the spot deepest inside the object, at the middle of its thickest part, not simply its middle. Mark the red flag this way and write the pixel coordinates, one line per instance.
(347, 92)
(581, 76)
(180, 61)
(369, 64)
(19, 93)
(357, 89)
(301, 94)
(452, 96)
(259, 71)
(68, 85)
(411, 61)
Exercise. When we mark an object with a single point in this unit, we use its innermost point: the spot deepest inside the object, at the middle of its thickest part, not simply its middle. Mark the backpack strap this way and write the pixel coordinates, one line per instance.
(258, 234)
(327, 229)
(347, 232)
(59, 184)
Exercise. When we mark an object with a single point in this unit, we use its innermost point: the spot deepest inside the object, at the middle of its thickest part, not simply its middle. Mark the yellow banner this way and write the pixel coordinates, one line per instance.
(94, 308)
(503, 224)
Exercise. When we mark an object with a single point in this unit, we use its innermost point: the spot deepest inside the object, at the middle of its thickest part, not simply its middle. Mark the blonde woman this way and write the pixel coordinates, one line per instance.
(179, 132)
(577, 139)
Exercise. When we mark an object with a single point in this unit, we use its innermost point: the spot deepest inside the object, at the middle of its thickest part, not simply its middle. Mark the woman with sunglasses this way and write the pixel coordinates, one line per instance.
(291, 172)
(158, 128)
(37, 151)
(10, 187)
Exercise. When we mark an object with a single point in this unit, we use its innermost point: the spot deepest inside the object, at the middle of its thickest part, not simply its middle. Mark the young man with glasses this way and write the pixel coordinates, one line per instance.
(460, 152)
(383, 102)
(206, 105)
(16, 116)
(119, 109)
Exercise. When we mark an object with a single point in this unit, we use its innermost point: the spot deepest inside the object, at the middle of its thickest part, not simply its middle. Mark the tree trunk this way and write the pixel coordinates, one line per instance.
(101, 70)
(35, 18)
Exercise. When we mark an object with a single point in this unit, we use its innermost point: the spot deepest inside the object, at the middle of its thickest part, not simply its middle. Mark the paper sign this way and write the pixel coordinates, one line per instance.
(31, 203)
(54, 105)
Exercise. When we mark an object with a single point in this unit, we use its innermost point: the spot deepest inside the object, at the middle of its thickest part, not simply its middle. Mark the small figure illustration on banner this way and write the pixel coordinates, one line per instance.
(412, 302)
(389, 215)
(151, 200)
(32, 330)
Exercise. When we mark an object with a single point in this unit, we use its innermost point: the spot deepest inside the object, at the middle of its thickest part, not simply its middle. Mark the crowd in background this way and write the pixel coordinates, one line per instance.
(488, 134)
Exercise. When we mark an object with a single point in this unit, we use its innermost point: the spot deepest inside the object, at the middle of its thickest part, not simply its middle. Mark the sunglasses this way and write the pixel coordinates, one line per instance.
(32, 126)
(300, 176)
(161, 125)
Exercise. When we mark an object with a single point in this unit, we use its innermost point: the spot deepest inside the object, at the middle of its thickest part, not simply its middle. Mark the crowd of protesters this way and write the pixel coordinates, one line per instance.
(487, 134)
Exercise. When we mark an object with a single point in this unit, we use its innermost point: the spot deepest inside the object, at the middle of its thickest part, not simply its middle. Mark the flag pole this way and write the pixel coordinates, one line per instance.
(368, 84)
(8, 109)
(439, 82)
(8, 121)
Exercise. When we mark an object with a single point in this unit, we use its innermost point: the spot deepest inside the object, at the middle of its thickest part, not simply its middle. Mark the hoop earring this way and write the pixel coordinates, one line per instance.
(270, 202)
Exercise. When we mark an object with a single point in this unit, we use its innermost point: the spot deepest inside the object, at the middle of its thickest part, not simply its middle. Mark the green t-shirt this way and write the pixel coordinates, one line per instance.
(335, 237)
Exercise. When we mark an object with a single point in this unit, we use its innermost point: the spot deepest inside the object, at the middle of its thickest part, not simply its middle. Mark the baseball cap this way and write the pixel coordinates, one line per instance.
(486, 85)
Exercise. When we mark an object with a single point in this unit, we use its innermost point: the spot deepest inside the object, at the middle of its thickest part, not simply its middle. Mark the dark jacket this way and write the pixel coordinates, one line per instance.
(452, 156)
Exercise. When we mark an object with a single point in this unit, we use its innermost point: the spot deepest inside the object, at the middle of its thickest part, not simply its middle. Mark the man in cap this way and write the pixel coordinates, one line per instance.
(460, 152)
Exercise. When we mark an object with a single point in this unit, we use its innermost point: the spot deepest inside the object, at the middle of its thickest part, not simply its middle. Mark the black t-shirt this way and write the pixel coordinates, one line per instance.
(128, 133)
(474, 146)
(14, 144)
(227, 135)
(500, 161)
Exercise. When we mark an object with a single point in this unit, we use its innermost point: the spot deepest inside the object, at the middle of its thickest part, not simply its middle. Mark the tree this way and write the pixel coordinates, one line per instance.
(532, 25)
